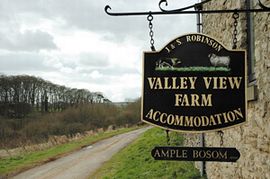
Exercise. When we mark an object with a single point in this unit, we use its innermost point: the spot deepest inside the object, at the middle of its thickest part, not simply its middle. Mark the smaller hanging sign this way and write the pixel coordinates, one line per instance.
(196, 154)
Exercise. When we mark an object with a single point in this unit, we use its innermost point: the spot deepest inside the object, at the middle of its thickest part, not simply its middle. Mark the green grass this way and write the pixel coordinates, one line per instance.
(135, 161)
(195, 69)
(24, 161)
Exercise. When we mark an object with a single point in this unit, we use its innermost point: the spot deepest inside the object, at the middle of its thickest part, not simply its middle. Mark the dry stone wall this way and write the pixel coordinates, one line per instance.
(253, 138)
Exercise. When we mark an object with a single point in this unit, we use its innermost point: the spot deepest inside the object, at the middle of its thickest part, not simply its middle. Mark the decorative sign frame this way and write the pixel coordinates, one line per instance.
(194, 84)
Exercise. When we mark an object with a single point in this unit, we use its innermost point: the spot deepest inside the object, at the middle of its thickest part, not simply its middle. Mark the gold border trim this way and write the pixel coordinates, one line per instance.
(195, 131)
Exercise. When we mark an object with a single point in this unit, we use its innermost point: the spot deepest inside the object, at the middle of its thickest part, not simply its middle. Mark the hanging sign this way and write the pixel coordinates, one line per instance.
(194, 84)
(196, 154)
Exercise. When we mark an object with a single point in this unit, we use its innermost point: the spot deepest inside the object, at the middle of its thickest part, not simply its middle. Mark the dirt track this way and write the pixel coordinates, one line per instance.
(82, 163)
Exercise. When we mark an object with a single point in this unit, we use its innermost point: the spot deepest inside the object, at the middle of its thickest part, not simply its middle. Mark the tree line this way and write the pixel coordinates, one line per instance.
(32, 109)
(21, 94)
(37, 127)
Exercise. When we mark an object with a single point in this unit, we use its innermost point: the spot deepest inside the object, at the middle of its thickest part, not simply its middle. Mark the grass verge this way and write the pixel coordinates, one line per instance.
(13, 165)
(135, 160)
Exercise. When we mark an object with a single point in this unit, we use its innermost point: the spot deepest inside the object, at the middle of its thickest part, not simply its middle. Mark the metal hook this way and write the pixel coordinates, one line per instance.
(221, 134)
(151, 32)
(235, 32)
(235, 15)
(150, 17)
(168, 136)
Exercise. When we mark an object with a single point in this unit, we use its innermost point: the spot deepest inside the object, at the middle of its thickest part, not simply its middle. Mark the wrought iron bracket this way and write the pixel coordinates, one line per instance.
(197, 7)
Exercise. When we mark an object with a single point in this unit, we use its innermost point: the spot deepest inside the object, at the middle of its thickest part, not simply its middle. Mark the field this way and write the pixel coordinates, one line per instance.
(135, 161)
(195, 69)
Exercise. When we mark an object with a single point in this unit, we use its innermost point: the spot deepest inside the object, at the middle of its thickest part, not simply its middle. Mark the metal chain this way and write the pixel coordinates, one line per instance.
(168, 137)
(221, 134)
(151, 32)
(235, 23)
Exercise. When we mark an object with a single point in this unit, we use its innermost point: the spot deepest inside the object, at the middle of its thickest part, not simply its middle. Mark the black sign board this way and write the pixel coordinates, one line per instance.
(196, 154)
(194, 84)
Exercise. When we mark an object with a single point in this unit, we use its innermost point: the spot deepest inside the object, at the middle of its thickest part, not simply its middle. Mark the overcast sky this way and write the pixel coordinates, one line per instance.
(76, 44)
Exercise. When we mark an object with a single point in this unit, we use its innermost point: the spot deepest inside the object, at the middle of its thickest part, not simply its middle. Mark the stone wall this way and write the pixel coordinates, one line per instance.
(253, 138)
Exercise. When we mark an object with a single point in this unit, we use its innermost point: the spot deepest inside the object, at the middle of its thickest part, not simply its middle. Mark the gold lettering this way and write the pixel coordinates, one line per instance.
(235, 82)
(183, 83)
(178, 42)
(207, 81)
(166, 83)
(157, 153)
(151, 82)
(173, 153)
(197, 121)
(188, 121)
(215, 45)
(231, 116)
(225, 117)
(185, 101)
(212, 120)
(194, 121)
(170, 119)
(178, 98)
(174, 83)
(195, 154)
(161, 118)
(215, 83)
(224, 155)
(168, 50)
(238, 113)
(205, 121)
(193, 37)
(158, 84)
(202, 39)
(210, 42)
(192, 82)
(188, 38)
(214, 154)
(219, 48)
(218, 118)
(222, 83)
(172, 46)
(207, 154)
(165, 154)
(207, 40)
(195, 99)
(206, 100)
(150, 114)
(184, 153)
(155, 114)
(198, 38)
(178, 120)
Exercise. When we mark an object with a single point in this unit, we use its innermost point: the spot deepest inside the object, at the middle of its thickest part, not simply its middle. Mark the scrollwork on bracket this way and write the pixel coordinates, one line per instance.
(107, 7)
(263, 6)
(195, 6)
